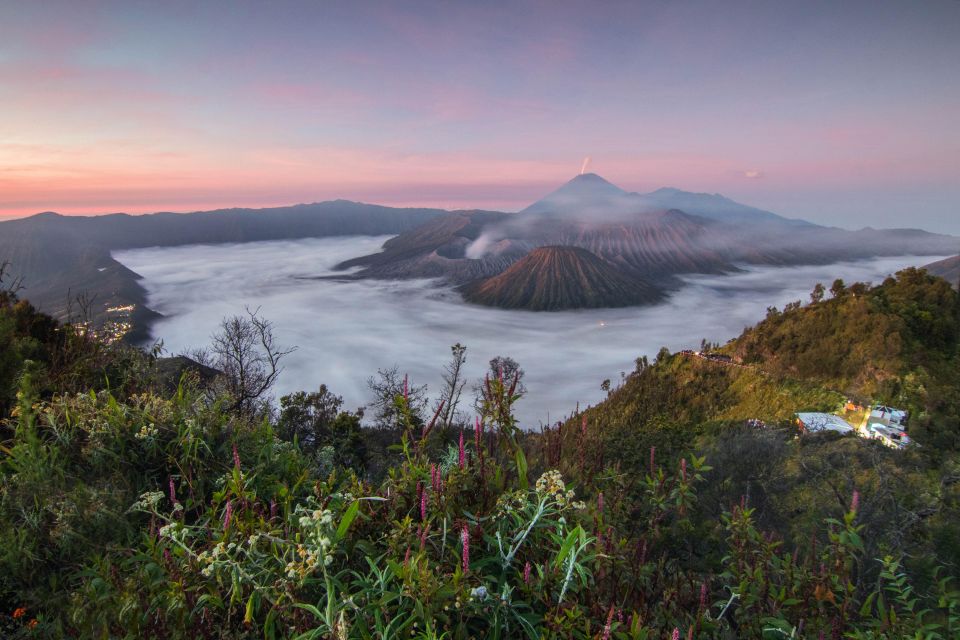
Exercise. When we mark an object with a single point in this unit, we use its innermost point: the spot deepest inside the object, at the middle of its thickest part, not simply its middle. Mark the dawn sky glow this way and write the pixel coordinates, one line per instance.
(840, 113)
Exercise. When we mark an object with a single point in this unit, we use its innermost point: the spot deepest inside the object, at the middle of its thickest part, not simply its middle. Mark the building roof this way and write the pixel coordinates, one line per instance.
(815, 422)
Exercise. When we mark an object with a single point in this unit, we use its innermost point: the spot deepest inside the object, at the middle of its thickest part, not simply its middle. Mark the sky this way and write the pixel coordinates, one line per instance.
(840, 113)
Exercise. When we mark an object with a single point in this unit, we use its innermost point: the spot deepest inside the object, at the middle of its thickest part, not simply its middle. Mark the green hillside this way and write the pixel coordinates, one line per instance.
(136, 506)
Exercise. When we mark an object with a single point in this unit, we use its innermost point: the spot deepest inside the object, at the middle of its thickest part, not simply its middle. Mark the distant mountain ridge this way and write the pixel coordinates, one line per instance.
(647, 238)
(589, 195)
(59, 257)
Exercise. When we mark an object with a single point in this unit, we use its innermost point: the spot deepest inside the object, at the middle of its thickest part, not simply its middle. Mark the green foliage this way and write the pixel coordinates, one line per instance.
(137, 512)
(315, 422)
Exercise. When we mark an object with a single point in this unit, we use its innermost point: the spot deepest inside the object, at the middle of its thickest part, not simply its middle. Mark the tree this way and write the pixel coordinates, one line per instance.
(9, 285)
(387, 386)
(245, 352)
(454, 382)
(817, 294)
(838, 288)
(315, 421)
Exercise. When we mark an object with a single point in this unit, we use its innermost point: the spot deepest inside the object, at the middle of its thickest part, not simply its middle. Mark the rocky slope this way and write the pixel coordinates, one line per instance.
(561, 277)
(948, 269)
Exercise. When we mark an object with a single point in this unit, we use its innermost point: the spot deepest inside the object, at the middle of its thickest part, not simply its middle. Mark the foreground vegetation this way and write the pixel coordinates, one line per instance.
(136, 504)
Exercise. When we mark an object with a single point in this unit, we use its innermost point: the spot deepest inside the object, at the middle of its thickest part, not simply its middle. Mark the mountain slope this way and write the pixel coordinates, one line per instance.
(556, 277)
(62, 257)
(948, 269)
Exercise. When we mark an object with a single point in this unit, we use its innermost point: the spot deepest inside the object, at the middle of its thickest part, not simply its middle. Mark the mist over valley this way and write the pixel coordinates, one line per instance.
(344, 330)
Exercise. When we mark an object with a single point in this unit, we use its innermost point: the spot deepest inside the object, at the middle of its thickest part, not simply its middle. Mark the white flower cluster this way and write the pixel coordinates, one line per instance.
(148, 502)
(175, 531)
(147, 432)
(316, 548)
(551, 484)
(225, 554)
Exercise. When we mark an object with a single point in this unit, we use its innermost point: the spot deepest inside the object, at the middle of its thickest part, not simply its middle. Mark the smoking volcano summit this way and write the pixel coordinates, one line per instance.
(632, 246)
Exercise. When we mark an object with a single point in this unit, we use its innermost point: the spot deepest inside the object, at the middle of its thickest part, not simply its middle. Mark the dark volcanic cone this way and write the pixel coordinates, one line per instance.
(561, 277)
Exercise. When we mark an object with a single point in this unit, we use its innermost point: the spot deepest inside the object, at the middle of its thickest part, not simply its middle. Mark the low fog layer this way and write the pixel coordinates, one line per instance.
(345, 331)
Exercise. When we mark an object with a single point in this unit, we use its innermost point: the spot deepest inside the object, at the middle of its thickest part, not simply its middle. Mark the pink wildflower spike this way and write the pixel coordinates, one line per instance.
(433, 476)
(423, 506)
(526, 573)
(406, 557)
(653, 455)
(676, 633)
(406, 387)
(419, 492)
(462, 454)
(465, 539)
(227, 516)
(855, 501)
(703, 595)
(236, 456)
(477, 433)
(423, 536)
(683, 469)
(608, 626)
(173, 491)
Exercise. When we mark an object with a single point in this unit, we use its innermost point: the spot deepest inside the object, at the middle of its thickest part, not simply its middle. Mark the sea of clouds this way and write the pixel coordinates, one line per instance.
(345, 330)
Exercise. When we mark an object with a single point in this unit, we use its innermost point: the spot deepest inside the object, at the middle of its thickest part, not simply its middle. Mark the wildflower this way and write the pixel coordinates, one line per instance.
(227, 515)
(461, 454)
(236, 456)
(855, 501)
(33, 623)
(703, 595)
(676, 633)
(608, 626)
(526, 572)
(465, 538)
(406, 388)
(423, 506)
(173, 492)
(480, 593)
(653, 455)
(477, 434)
(19, 612)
